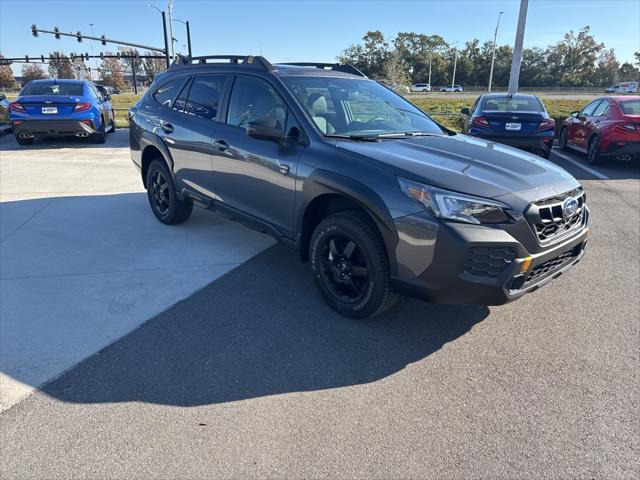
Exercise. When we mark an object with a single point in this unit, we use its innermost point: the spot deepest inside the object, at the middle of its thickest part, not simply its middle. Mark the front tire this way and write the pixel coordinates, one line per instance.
(162, 195)
(563, 139)
(350, 265)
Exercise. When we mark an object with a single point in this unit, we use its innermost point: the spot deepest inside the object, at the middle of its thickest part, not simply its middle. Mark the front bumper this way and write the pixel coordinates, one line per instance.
(53, 127)
(471, 264)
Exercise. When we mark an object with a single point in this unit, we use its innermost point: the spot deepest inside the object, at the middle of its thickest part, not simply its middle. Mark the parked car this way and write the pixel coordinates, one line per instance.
(4, 113)
(379, 197)
(517, 120)
(61, 108)
(624, 87)
(421, 87)
(608, 127)
(454, 88)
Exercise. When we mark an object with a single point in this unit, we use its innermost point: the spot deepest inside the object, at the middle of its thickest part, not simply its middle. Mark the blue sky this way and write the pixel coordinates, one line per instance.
(311, 30)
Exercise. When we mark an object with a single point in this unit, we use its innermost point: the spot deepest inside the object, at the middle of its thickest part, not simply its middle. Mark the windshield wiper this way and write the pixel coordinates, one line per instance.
(408, 134)
(363, 138)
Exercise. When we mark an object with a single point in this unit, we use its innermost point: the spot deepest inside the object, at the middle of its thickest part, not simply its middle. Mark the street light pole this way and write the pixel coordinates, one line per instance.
(514, 78)
(429, 70)
(170, 9)
(188, 34)
(455, 63)
(493, 54)
(164, 30)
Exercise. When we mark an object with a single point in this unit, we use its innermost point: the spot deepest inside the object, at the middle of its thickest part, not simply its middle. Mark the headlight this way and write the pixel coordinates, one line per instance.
(455, 206)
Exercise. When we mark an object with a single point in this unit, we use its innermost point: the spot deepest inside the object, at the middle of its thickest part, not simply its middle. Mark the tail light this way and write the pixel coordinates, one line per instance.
(547, 124)
(16, 107)
(82, 106)
(481, 122)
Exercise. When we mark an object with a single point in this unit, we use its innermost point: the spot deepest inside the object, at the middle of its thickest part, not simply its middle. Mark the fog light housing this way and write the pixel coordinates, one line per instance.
(524, 266)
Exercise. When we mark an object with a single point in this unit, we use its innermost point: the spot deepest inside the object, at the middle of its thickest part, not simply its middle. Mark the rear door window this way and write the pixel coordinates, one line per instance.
(205, 95)
(167, 92)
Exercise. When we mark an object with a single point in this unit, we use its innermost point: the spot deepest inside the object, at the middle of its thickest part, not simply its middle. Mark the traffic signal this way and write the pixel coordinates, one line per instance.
(56, 33)
(103, 40)
(42, 58)
(79, 36)
(34, 30)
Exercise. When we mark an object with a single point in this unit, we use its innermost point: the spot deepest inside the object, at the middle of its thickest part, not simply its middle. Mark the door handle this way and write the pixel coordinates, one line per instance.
(166, 126)
(221, 145)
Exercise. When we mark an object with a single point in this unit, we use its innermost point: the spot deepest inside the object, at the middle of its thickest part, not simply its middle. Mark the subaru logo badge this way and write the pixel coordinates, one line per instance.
(570, 207)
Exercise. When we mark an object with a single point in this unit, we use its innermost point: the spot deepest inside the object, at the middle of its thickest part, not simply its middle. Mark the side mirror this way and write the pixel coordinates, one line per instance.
(2, 96)
(574, 114)
(465, 111)
(107, 97)
(267, 128)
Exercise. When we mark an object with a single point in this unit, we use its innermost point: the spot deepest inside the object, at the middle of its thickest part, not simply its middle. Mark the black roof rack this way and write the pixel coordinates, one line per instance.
(338, 67)
(247, 61)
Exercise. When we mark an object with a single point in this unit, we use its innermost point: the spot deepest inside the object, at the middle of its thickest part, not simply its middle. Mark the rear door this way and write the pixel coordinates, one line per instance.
(187, 125)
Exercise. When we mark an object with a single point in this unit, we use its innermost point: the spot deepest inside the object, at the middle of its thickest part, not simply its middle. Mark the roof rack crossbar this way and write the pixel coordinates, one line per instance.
(338, 67)
(246, 60)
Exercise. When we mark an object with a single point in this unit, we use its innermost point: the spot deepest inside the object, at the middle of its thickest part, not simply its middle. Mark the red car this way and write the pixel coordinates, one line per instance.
(608, 127)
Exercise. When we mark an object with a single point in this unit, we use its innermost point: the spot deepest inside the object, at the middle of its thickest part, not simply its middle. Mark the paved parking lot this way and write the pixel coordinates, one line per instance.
(251, 375)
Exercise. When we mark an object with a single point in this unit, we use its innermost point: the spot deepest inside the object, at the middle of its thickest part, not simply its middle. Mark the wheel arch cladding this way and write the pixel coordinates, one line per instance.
(326, 193)
(149, 154)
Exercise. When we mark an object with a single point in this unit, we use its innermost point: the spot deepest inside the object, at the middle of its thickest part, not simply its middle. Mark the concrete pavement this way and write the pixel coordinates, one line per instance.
(83, 259)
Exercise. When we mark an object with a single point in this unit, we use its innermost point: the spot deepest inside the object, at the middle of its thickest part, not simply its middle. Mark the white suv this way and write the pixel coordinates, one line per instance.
(421, 87)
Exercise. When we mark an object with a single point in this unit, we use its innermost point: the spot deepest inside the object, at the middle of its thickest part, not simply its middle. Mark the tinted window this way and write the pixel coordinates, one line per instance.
(589, 109)
(54, 88)
(165, 94)
(205, 95)
(515, 103)
(253, 98)
(630, 107)
(181, 101)
(602, 109)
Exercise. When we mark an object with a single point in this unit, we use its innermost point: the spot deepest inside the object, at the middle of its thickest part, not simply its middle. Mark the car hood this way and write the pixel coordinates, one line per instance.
(467, 165)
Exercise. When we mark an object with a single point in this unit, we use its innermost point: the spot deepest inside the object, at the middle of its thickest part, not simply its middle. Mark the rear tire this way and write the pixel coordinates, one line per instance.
(112, 123)
(24, 141)
(100, 136)
(593, 151)
(350, 266)
(162, 195)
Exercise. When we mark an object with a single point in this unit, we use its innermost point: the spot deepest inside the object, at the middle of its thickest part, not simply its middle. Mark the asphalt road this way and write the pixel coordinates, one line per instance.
(253, 377)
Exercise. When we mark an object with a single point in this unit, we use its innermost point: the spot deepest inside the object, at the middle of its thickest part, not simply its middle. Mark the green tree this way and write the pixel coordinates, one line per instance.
(60, 66)
(111, 72)
(153, 66)
(369, 57)
(574, 59)
(627, 72)
(607, 68)
(7, 80)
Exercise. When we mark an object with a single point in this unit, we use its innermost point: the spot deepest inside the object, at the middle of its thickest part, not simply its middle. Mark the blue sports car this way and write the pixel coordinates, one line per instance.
(61, 108)
(517, 120)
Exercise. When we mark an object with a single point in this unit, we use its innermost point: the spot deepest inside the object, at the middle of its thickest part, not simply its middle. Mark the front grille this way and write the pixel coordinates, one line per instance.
(488, 261)
(552, 265)
(550, 222)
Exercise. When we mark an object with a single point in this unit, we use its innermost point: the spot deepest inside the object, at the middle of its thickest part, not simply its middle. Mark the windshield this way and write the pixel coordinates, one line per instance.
(630, 107)
(359, 108)
(513, 103)
(53, 88)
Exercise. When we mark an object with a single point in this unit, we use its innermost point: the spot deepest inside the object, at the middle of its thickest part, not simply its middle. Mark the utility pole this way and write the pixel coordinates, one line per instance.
(170, 9)
(514, 78)
(166, 40)
(430, 70)
(455, 63)
(493, 54)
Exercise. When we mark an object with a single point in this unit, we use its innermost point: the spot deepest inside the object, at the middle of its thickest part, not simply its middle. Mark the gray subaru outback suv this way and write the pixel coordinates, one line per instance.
(380, 198)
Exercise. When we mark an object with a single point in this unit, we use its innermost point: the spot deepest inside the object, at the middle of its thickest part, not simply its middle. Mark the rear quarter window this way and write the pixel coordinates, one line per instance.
(166, 93)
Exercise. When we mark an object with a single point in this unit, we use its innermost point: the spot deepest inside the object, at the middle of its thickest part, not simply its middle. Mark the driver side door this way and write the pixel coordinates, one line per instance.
(256, 176)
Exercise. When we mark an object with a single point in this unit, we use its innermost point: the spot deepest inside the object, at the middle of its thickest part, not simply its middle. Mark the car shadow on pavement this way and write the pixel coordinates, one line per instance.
(260, 330)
